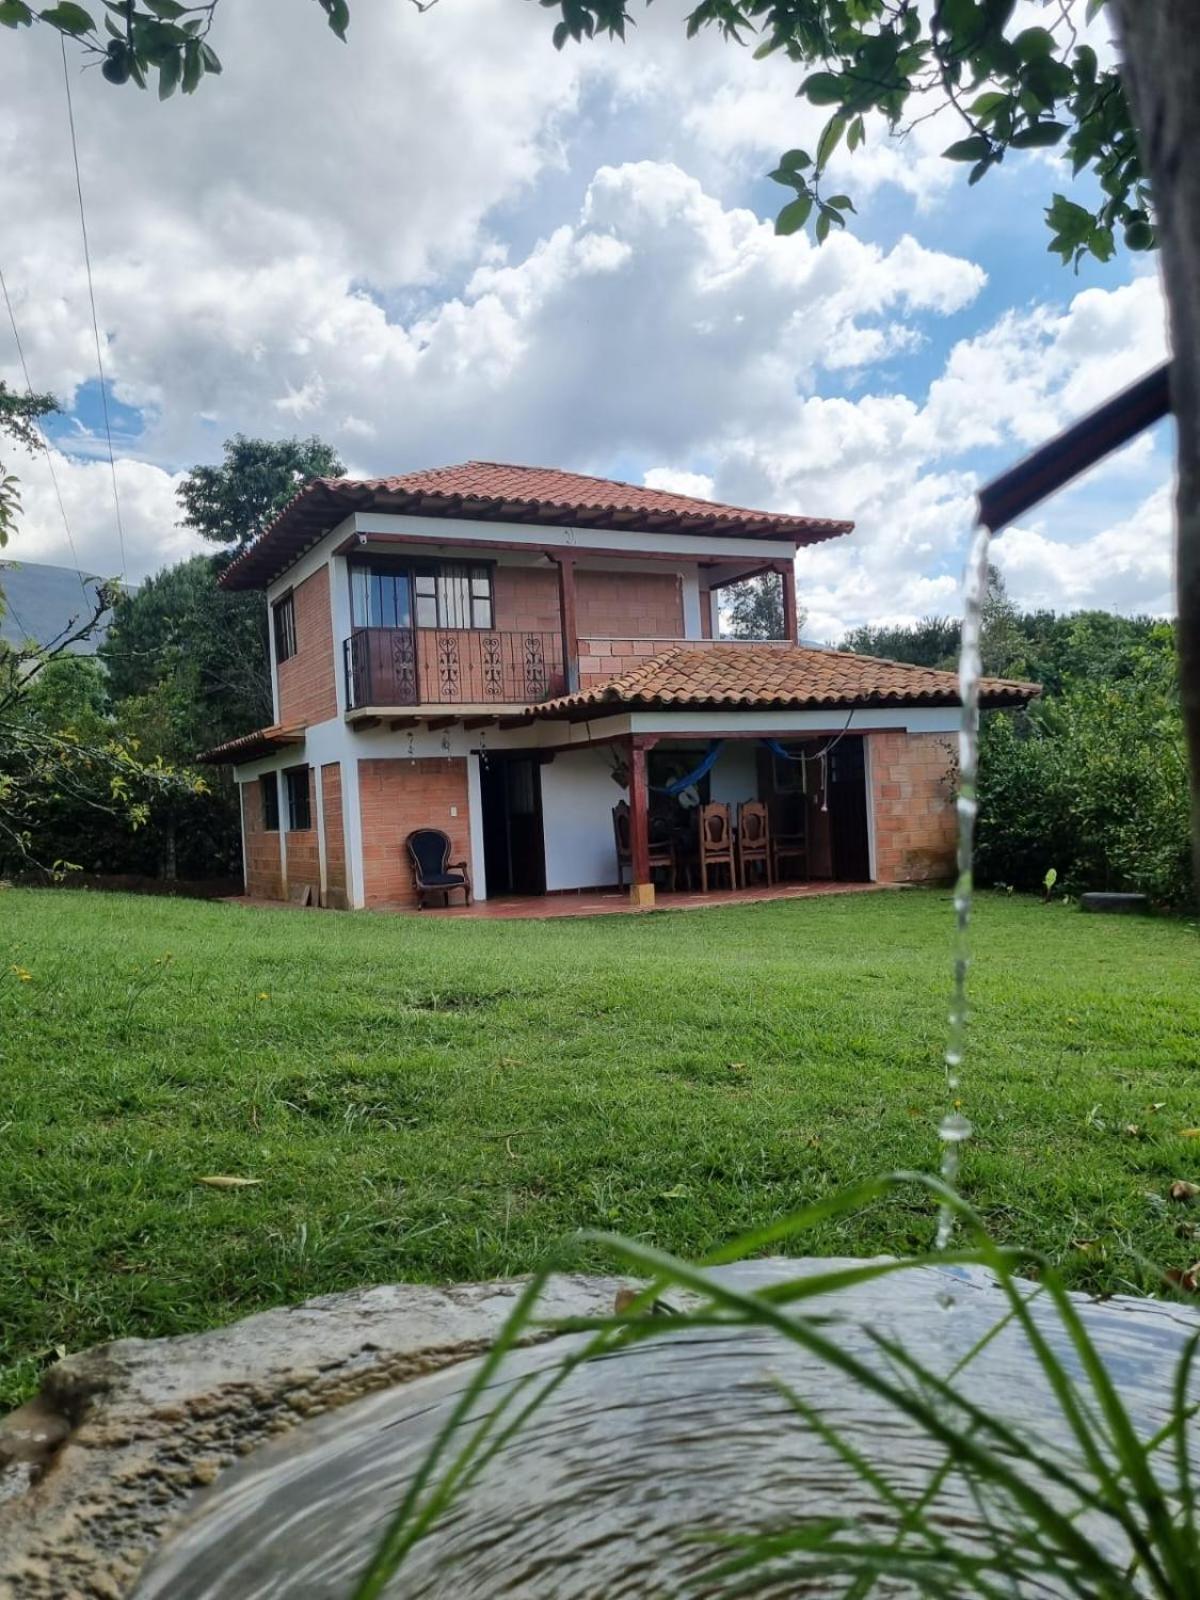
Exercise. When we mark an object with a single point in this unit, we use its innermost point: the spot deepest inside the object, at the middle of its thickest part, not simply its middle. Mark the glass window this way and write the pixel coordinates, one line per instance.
(299, 811)
(285, 628)
(481, 597)
(380, 598)
(268, 786)
(425, 587)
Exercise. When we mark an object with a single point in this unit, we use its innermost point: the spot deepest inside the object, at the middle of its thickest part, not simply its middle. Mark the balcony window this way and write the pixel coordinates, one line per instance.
(381, 597)
(453, 594)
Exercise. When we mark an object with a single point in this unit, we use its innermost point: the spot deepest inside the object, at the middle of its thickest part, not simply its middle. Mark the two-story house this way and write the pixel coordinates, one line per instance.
(505, 652)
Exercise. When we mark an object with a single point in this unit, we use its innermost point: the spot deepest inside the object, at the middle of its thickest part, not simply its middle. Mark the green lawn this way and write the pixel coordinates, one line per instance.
(440, 1099)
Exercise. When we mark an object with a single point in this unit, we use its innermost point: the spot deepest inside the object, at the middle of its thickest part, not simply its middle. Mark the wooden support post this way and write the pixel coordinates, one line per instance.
(641, 887)
(787, 577)
(568, 618)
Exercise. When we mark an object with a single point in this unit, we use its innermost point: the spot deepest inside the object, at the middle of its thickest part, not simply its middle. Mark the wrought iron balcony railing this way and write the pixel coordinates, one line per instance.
(451, 666)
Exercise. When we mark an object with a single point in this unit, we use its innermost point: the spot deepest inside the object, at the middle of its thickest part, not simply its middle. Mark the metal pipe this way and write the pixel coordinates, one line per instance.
(1080, 446)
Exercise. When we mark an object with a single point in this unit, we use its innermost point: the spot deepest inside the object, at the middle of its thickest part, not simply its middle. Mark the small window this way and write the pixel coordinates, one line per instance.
(425, 594)
(380, 598)
(269, 788)
(299, 811)
(285, 628)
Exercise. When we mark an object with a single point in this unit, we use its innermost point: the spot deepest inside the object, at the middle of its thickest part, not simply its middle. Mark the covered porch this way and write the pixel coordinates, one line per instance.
(615, 902)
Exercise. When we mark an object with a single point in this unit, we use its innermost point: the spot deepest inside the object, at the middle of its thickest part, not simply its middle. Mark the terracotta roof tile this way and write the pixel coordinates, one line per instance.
(249, 746)
(749, 676)
(495, 491)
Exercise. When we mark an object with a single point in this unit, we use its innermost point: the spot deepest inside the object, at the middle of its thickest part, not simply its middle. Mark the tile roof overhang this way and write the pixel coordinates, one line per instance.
(744, 677)
(494, 492)
(249, 746)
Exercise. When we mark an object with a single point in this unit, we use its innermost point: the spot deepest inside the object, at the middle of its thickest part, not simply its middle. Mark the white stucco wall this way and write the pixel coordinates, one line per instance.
(578, 795)
(735, 776)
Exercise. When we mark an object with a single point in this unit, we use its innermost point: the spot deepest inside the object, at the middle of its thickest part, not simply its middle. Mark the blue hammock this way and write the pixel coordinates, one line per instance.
(776, 749)
(694, 776)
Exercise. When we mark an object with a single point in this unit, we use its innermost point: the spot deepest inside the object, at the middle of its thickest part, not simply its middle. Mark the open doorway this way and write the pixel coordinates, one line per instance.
(514, 851)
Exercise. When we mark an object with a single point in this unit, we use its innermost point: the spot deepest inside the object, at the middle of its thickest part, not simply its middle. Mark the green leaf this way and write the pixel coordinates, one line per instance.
(193, 68)
(855, 134)
(1038, 135)
(15, 14)
(793, 216)
(1034, 42)
(69, 18)
(794, 160)
(987, 102)
(338, 12)
(1093, 9)
(823, 225)
(822, 88)
(169, 74)
(830, 138)
(972, 149)
(1100, 243)
(841, 202)
(168, 10)
(209, 58)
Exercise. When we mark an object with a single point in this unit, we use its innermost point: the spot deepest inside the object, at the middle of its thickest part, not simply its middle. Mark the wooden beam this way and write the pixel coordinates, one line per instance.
(568, 617)
(741, 574)
(396, 723)
(435, 724)
(641, 886)
(787, 577)
(515, 722)
(471, 723)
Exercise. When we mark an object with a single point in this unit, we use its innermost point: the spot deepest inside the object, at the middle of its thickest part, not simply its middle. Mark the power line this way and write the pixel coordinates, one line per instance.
(87, 261)
(41, 437)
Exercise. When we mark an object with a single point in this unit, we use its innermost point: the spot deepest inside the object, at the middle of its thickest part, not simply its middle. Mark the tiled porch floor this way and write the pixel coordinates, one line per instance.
(610, 902)
(601, 902)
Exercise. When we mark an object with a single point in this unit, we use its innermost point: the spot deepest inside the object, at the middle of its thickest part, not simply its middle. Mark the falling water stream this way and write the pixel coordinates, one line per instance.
(954, 1127)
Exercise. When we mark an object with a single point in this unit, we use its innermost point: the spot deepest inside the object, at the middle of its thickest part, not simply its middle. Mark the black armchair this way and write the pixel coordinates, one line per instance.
(433, 871)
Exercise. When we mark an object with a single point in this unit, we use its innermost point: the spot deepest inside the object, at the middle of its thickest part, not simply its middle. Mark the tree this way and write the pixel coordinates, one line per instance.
(18, 419)
(232, 503)
(755, 609)
(932, 642)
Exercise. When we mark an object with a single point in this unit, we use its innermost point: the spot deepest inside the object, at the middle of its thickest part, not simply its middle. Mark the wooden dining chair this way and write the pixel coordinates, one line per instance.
(789, 847)
(716, 843)
(662, 851)
(754, 841)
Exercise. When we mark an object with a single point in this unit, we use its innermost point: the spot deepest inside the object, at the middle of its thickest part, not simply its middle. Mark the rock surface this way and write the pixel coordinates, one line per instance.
(97, 1468)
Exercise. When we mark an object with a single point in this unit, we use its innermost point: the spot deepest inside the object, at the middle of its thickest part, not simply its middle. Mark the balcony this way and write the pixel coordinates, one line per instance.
(451, 666)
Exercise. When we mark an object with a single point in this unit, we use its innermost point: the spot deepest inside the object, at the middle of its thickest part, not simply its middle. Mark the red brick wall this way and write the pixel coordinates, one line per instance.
(915, 824)
(335, 834)
(527, 599)
(306, 684)
(264, 872)
(303, 859)
(397, 795)
(629, 605)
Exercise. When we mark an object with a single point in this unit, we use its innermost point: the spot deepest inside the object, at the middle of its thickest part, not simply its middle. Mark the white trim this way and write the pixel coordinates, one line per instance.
(272, 661)
(241, 788)
(869, 780)
(912, 719)
(475, 827)
(466, 530)
(691, 602)
(339, 618)
(352, 828)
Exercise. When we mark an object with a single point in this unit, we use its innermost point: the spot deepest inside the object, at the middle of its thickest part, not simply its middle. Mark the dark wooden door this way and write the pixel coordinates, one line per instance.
(513, 848)
(848, 810)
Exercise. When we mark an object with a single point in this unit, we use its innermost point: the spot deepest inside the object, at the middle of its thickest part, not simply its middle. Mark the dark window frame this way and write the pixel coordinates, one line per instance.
(283, 614)
(268, 791)
(429, 585)
(299, 801)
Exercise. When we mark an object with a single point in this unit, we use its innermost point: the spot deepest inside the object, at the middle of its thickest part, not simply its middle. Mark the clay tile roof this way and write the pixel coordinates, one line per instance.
(774, 677)
(249, 746)
(494, 491)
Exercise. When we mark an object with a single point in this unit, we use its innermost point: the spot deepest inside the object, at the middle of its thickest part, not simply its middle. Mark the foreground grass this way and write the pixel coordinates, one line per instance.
(440, 1099)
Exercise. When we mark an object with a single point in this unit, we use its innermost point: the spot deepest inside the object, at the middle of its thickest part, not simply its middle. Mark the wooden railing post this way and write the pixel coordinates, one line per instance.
(568, 619)
(641, 887)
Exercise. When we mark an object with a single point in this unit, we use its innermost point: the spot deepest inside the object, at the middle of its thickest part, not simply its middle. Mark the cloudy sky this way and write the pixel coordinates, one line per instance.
(445, 240)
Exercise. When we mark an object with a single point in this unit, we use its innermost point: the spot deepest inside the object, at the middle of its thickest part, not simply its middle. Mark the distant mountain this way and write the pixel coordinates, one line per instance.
(40, 602)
